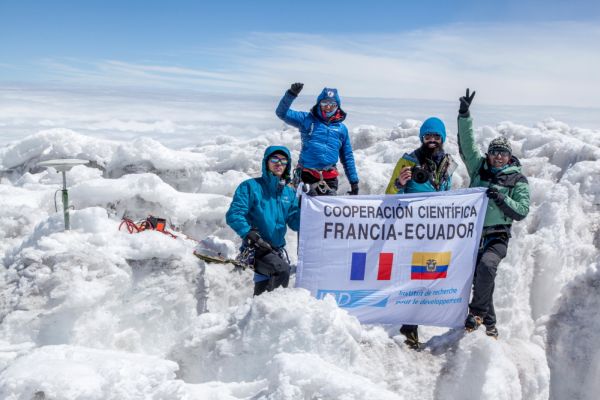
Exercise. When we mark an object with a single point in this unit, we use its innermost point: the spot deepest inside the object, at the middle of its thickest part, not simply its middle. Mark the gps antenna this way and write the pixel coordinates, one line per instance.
(63, 166)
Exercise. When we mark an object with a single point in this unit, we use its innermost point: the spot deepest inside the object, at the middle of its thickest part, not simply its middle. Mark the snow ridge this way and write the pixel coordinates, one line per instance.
(97, 313)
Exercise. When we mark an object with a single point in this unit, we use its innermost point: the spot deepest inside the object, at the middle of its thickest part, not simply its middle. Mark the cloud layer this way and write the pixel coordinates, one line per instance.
(539, 64)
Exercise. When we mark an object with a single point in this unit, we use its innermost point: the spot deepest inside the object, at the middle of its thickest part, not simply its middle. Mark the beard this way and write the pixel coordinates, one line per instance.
(429, 149)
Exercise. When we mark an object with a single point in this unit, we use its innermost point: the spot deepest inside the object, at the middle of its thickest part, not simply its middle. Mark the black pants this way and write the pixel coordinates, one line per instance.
(282, 279)
(493, 249)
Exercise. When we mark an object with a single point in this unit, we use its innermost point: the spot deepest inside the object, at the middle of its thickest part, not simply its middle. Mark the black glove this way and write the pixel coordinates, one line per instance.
(254, 239)
(465, 103)
(296, 88)
(353, 189)
(493, 194)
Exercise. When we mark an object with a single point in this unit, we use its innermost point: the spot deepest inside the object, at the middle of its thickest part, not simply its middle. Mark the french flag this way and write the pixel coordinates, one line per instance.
(359, 266)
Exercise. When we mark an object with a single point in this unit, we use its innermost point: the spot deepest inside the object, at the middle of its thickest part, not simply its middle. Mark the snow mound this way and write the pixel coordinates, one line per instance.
(97, 312)
(80, 373)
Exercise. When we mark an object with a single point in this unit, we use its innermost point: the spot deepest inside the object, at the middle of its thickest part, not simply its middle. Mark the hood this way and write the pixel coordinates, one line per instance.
(514, 166)
(270, 150)
(329, 93)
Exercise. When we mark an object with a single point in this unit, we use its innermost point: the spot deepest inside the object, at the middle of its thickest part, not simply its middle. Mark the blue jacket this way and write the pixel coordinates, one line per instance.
(323, 142)
(267, 204)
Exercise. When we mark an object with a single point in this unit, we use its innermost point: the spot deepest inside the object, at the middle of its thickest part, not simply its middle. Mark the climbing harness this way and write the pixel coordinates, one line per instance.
(318, 181)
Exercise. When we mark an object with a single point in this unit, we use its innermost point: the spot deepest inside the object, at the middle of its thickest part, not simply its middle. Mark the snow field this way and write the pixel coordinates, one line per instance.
(98, 313)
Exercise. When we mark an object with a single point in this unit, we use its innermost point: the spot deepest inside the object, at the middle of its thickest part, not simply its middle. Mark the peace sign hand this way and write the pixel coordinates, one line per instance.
(465, 103)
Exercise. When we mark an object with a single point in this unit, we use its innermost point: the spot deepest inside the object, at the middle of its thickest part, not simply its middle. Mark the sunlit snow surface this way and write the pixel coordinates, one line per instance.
(97, 313)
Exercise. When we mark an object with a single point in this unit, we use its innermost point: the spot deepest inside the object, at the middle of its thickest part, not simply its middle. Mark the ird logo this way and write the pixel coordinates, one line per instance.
(356, 298)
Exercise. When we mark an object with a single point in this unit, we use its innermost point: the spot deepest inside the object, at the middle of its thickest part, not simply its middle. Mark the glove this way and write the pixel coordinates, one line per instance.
(296, 88)
(253, 236)
(493, 194)
(465, 103)
(353, 189)
(254, 239)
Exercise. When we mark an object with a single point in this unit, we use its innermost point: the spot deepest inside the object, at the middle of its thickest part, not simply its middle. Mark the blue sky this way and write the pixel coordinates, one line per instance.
(536, 52)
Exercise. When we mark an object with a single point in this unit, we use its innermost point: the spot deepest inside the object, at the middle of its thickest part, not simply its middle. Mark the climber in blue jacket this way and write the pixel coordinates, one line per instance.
(324, 140)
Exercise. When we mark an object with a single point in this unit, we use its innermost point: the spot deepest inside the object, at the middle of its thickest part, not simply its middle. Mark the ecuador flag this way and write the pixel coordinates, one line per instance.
(430, 265)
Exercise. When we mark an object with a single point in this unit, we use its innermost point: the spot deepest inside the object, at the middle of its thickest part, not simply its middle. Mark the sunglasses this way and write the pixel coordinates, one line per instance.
(330, 104)
(277, 160)
(432, 136)
(503, 153)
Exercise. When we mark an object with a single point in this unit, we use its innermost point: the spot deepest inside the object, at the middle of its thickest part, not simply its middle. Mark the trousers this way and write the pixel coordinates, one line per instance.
(492, 250)
(281, 279)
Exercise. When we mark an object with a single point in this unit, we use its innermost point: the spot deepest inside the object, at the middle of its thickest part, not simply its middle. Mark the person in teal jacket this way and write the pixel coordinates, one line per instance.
(436, 168)
(508, 192)
(262, 209)
(325, 140)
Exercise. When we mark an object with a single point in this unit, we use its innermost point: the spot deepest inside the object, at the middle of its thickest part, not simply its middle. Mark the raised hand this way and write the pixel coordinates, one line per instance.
(465, 103)
(296, 88)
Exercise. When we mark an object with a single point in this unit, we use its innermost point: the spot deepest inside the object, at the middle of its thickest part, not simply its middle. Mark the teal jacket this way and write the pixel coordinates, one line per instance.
(267, 204)
(509, 181)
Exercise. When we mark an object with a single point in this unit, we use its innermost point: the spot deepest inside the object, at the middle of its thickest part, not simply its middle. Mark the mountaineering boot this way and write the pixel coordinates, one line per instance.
(491, 331)
(472, 322)
(412, 336)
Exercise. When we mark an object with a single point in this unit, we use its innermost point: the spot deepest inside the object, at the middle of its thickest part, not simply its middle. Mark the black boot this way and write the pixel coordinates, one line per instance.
(473, 322)
(412, 336)
(491, 331)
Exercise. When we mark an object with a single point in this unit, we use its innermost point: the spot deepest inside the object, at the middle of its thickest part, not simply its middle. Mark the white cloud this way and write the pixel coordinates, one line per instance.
(543, 64)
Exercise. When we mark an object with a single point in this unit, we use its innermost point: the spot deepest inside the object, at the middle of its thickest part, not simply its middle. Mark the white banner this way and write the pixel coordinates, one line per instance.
(393, 259)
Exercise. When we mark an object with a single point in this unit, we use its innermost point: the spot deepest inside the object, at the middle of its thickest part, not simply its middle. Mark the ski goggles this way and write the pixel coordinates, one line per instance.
(498, 152)
(277, 160)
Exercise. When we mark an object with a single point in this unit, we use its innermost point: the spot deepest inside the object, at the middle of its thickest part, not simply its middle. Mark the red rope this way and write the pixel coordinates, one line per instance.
(144, 225)
(130, 225)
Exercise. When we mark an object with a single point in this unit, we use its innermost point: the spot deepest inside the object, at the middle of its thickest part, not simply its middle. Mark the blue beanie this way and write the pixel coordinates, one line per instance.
(433, 125)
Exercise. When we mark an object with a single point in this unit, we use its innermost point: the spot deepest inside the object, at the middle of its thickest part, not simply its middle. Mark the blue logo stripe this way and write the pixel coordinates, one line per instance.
(356, 298)
(357, 272)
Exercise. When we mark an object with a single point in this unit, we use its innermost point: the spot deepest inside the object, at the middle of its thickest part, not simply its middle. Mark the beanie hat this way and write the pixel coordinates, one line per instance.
(433, 125)
(500, 143)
